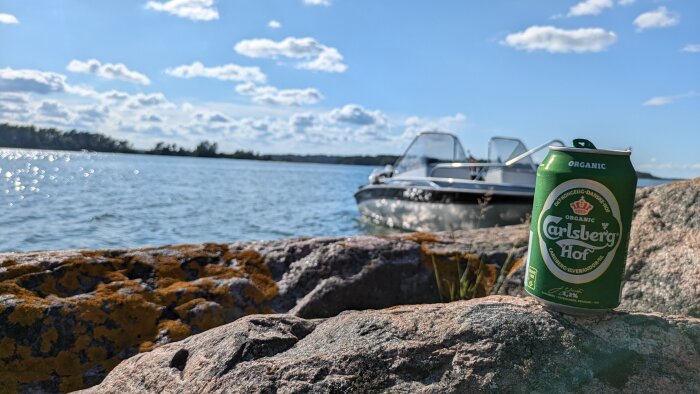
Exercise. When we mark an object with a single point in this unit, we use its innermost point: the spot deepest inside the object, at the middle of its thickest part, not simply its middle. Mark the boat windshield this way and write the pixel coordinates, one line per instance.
(428, 149)
(503, 149)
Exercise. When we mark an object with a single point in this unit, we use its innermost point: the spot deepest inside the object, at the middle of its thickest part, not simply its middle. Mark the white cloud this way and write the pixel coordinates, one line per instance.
(55, 111)
(93, 114)
(665, 100)
(590, 7)
(626, 2)
(108, 71)
(140, 100)
(319, 57)
(272, 95)
(692, 48)
(227, 72)
(115, 95)
(14, 103)
(357, 115)
(330, 60)
(196, 10)
(414, 124)
(656, 19)
(31, 81)
(17, 98)
(300, 122)
(318, 2)
(555, 40)
(151, 118)
(212, 117)
(8, 19)
(273, 24)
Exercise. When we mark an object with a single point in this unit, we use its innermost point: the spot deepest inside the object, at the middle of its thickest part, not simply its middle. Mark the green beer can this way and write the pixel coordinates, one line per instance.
(580, 228)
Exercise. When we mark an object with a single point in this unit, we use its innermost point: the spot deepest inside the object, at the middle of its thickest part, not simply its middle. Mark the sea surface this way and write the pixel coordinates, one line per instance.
(82, 200)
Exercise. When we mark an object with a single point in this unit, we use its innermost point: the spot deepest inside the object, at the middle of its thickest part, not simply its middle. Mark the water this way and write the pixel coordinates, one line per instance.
(65, 200)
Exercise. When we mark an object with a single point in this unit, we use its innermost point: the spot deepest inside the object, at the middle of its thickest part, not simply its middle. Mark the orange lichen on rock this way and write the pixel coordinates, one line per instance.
(420, 237)
(263, 287)
(175, 329)
(94, 310)
(48, 339)
(11, 271)
(26, 313)
(7, 263)
(7, 347)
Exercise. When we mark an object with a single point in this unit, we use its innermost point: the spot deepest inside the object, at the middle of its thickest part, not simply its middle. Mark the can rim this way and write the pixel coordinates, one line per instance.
(593, 151)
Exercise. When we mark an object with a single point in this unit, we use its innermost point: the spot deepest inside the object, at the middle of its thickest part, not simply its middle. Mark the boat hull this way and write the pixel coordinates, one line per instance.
(425, 209)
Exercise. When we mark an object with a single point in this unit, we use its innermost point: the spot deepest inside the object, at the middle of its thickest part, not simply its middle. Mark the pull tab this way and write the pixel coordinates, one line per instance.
(583, 143)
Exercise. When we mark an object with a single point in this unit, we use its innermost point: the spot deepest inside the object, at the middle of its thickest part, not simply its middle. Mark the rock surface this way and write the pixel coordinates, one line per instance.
(67, 318)
(498, 344)
(663, 266)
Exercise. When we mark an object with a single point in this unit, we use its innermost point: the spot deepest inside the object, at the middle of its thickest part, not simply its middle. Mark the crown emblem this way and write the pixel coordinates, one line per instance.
(581, 207)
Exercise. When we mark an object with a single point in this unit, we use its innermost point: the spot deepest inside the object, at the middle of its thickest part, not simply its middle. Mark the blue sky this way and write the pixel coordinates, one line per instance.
(360, 76)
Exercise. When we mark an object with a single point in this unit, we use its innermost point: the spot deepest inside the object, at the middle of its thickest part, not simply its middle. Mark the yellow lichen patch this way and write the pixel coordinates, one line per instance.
(176, 330)
(109, 363)
(69, 280)
(115, 276)
(183, 309)
(145, 346)
(220, 271)
(263, 287)
(178, 293)
(8, 381)
(26, 314)
(134, 317)
(420, 237)
(48, 339)
(16, 271)
(7, 263)
(48, 285)
(208, 318)
(10, 287)
(205, 318)
(251, 310)
(72, 383)
(223, 295)
(67, 364)
(215, 248)
(7, 347)
(112, 314)
(93, 253)
(168, 267)
(28, 369)
(81, 342)
(91, 310)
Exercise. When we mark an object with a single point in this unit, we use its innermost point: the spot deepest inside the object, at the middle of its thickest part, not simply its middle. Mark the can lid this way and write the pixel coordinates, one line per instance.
(581, 145)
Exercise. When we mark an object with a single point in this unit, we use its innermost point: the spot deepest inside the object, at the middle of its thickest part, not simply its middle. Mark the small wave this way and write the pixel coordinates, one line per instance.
(101, 217)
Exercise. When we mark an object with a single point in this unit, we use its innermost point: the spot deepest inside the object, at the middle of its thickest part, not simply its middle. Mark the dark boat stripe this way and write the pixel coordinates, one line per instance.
(436, 196)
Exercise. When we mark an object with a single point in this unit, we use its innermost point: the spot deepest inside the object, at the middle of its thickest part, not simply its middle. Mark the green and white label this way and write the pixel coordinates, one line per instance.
(579, 230)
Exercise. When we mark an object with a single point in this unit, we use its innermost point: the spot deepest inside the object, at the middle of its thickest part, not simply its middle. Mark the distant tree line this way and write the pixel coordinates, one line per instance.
(30, 137)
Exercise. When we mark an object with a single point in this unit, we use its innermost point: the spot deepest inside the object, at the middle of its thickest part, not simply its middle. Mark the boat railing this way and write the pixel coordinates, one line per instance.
(479, 166)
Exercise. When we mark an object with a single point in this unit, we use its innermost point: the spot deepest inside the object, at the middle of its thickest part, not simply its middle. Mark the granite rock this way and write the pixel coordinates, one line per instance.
(494, 344)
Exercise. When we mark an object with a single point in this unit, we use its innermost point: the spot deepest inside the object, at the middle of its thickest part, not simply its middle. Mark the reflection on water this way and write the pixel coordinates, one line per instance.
(59, 200)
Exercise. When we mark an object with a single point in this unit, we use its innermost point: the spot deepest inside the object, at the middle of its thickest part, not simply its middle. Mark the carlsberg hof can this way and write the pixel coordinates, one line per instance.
(580, 228)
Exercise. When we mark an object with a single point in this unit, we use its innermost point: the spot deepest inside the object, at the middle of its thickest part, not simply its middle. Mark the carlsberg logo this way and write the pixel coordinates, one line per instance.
(579, 230)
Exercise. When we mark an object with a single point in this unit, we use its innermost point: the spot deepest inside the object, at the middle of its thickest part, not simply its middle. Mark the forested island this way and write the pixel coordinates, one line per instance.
(30, 137)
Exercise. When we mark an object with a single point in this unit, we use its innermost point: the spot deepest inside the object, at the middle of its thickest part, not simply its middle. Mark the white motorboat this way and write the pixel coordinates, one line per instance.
(435, 186)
